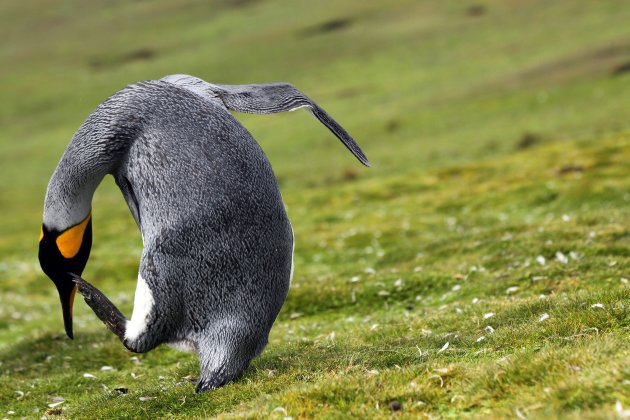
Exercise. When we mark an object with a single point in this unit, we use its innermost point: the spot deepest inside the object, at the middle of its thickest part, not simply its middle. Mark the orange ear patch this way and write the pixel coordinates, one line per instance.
(41, 233)
(69, 242)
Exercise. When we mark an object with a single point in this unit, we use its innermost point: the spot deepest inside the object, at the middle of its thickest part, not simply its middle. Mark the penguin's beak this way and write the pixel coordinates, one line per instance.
(67, 289)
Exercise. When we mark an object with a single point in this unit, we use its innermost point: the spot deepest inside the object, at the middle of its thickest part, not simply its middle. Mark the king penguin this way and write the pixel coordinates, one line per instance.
(217, 256)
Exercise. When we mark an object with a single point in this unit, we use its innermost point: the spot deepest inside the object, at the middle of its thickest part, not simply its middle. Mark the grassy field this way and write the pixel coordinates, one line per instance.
(480, 268)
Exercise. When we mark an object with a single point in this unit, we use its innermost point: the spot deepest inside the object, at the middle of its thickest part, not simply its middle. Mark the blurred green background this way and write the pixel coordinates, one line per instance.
(483, 120)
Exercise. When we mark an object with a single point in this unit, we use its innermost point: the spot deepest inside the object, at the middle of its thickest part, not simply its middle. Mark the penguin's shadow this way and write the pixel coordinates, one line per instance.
(52, 355)
(55, 354)
(49, 355)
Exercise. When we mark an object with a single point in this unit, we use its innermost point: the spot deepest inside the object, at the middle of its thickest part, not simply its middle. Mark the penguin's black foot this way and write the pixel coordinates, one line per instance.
(220, 377)
(207, 385)
(102, 307)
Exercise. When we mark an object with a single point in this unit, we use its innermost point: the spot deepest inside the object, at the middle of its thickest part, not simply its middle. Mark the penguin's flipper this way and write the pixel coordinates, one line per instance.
(102, 307)
(266, 98)
(270, 98)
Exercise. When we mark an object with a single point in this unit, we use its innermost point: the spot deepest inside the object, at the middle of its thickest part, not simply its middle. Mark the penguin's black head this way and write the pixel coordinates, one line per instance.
(61, 254)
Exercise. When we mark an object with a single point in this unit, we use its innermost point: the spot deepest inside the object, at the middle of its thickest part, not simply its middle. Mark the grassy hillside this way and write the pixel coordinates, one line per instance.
(480, 267)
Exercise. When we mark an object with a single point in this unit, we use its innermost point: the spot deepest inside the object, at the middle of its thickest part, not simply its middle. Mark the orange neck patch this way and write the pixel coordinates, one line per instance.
(69, 242)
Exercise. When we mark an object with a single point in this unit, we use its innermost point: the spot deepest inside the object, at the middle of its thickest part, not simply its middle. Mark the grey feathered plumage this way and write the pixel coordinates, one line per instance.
(217, 243)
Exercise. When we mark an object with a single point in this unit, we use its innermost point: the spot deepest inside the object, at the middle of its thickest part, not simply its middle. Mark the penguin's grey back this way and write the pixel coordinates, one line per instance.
(218, 246)
(217, 240)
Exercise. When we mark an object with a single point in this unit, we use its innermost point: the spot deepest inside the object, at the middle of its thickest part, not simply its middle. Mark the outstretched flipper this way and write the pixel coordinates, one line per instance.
(102, 307)
(266, 98)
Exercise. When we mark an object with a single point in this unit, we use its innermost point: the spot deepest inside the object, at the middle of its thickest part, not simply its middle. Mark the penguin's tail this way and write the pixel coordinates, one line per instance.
(266, 98)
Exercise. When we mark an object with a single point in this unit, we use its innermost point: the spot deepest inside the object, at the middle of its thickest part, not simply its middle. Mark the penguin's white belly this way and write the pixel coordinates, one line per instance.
(143, 303)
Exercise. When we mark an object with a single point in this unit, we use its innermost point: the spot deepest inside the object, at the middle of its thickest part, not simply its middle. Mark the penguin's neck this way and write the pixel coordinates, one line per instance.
(71, 188)
(69, 197)
(96, 149)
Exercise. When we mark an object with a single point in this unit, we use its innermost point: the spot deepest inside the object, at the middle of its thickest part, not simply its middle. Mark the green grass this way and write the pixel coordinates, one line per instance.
(450, 225)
